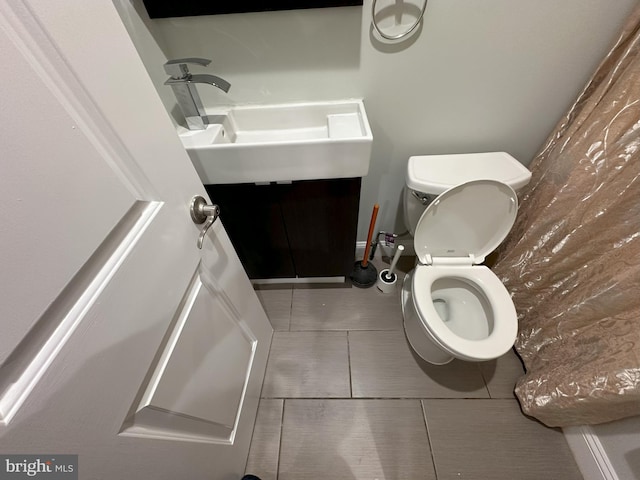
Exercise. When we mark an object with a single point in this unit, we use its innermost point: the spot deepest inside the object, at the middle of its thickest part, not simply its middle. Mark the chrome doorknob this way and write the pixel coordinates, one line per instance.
(203, 213)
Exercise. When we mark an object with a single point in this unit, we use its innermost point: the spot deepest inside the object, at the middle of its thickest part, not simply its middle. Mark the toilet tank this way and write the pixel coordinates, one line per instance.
(430, 175)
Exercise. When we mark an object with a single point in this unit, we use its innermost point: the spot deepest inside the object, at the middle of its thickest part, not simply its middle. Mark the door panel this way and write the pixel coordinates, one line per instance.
(194, 392)
(38, 178)
(30, 358)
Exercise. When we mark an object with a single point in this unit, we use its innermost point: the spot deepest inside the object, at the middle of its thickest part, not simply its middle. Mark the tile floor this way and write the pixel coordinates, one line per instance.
(344, 397)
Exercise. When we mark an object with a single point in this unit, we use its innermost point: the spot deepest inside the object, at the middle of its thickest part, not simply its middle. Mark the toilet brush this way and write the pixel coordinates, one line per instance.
(387, 279)
(364, 274)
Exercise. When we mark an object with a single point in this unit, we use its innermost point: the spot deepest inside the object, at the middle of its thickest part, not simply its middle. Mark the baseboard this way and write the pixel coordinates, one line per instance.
(386, 249)
(590, 454)
(297, 280)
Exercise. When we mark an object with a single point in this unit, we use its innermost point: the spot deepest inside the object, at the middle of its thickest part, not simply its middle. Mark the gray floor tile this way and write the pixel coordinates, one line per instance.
(501, 374)
(354, 439)
(308, 364)
(339, 308)
(342, 438)
(277, 304)
(383, 365)
(265, 443)
(492, 440)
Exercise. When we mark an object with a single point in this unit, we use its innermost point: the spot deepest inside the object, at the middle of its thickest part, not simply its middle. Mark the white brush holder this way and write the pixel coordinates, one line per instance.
(386, 282)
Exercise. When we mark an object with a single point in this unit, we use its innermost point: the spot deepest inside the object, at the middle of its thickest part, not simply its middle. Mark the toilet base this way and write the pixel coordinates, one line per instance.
(419, 340)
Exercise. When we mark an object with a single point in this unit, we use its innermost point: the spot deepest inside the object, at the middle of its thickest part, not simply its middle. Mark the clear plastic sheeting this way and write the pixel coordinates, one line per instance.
(572, 260)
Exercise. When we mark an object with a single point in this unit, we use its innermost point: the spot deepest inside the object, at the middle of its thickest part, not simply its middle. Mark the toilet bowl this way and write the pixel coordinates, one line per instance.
(451, 315)
(454, 307)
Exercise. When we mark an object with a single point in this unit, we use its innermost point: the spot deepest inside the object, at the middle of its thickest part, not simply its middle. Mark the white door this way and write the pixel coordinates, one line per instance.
(120, 341)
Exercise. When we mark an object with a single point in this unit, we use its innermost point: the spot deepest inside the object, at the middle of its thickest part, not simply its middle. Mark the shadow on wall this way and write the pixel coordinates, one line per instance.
(396, 12)
(268, 57)
(265, 41)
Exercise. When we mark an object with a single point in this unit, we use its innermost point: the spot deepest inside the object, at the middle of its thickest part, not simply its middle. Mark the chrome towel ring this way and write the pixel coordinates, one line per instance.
(399, 35)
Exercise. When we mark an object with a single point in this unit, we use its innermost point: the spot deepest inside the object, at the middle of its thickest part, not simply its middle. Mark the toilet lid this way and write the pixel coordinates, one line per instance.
(469, 219)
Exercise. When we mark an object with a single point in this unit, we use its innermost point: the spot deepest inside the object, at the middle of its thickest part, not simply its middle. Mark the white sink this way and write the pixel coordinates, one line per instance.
(270, 143)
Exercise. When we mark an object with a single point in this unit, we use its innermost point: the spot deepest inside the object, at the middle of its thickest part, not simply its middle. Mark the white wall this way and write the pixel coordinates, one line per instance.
(479, 76)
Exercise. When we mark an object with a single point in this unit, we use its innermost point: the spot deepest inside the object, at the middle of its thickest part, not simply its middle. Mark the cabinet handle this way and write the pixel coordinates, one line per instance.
(203, 213)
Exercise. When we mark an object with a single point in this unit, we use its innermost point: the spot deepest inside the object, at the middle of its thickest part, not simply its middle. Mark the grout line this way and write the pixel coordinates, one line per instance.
(290, 311)
(352, 330)
(349, 363)
(280, 442)
(253, 433)
(426, 426)
(486, 384)
(422, 397)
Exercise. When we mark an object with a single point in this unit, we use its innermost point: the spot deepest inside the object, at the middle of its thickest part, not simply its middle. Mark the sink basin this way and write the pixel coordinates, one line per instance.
(282, 143)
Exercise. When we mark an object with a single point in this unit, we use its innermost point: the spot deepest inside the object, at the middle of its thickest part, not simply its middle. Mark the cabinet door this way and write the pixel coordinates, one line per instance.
(321, 218)
(253, 218)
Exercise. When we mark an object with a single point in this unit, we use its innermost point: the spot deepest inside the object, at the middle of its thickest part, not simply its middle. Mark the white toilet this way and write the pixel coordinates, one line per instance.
(459, 208)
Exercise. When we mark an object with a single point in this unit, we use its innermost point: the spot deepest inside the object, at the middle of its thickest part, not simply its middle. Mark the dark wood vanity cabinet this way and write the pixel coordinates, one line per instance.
(303, 229)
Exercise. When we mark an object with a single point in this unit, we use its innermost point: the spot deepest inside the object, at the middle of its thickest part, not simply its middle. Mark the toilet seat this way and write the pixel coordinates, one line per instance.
(465, 223)
(454, 235)
(485, 282)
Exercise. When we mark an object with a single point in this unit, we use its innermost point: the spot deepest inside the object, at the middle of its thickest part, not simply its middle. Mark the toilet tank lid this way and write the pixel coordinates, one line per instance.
(437, 173)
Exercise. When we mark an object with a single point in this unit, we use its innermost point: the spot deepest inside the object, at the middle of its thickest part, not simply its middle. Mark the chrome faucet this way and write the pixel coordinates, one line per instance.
(184, 88)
